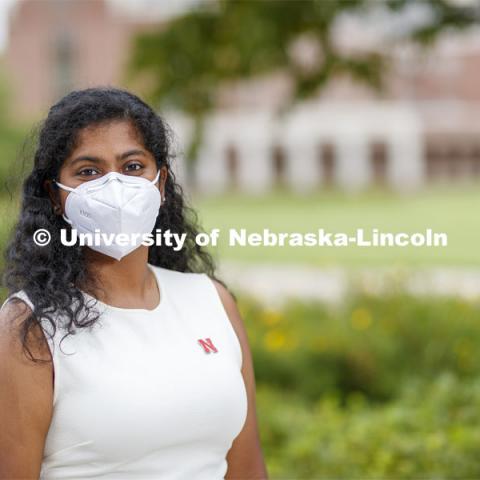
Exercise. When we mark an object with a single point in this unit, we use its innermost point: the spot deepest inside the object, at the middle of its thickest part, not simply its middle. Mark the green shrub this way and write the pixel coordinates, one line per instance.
(370, 344)
(430, 432)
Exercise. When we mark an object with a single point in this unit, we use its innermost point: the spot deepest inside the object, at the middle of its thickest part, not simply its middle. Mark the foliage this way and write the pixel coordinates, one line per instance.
(380, 387)
(11, 135)
(428, 432)
(372, 344)
(182, 63)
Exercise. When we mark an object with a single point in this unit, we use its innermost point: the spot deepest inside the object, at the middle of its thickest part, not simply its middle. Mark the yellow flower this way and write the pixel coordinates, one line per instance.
(361, 319)
(274, 340)
(271, 317)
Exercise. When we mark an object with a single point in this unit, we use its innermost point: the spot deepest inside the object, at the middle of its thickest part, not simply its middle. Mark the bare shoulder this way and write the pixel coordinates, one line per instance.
(16, 368)
(226, 297)
(245, 457)
(12, 317)
(26, 396)
(15, 364)
(238, 324)
(232, 310)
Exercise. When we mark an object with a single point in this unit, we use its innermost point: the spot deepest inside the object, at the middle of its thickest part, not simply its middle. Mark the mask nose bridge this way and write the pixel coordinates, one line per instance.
(134, 184)
(111, 177)
(108, 178)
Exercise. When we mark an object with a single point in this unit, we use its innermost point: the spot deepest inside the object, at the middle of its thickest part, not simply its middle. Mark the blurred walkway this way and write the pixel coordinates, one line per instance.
(275, 283)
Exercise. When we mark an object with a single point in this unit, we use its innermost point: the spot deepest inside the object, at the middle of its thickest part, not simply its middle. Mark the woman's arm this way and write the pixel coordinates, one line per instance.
(245, 457)
(26, 394)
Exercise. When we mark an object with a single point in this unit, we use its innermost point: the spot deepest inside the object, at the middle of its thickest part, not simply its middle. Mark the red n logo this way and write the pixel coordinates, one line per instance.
(207, 345)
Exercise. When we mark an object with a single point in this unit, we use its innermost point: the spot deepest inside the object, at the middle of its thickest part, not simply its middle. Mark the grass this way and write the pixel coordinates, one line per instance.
(452, 210)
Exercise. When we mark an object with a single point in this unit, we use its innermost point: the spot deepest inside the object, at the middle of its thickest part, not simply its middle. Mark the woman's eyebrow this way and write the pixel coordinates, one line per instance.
(131, 152)
(122, 156)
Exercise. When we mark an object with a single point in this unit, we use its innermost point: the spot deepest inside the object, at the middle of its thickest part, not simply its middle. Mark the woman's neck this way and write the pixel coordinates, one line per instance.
(126, 283)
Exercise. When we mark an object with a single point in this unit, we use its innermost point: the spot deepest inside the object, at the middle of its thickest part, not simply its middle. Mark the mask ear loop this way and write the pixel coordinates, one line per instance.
(155, 180)
(66, 219)
(64, 187)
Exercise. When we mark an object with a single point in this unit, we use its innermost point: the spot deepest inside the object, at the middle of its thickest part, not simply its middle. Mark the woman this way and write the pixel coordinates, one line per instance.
(118, 361)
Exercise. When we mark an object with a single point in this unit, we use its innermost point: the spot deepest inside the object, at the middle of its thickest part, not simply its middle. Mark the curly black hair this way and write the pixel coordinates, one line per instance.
(52, 275)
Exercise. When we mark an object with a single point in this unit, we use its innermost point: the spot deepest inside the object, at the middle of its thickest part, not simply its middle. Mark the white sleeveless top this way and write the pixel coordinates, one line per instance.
(148, 394)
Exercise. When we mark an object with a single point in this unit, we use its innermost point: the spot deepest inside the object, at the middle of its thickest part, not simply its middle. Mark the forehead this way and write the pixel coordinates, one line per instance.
(115, 134)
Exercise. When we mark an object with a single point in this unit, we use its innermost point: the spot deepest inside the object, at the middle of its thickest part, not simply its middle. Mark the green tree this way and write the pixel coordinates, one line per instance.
(12, 132)
(181, 64)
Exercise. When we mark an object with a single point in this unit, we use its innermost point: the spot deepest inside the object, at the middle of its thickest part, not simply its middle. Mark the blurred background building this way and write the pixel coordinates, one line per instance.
(423, 127)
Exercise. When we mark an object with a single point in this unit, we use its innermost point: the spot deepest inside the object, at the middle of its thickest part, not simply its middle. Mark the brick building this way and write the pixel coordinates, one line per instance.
(424, 127)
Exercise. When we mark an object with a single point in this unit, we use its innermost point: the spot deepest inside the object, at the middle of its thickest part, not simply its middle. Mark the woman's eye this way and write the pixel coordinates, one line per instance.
(88, 171)
(133, 166)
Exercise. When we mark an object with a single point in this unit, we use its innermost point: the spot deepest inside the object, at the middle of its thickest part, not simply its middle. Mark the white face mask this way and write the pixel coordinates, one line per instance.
(113, 204)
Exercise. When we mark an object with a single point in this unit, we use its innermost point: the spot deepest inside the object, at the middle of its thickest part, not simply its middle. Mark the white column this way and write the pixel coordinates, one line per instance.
(406, 160)
(210, 170)
(303, 168)
(255, 172)
(352, 166)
